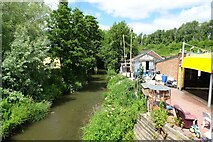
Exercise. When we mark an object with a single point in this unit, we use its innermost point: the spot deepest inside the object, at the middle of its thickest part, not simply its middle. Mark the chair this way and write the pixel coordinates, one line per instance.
(207, 117)
(186, 117)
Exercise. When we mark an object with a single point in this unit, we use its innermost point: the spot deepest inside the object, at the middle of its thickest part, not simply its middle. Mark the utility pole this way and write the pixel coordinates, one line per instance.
(131, 54)
(141, 38)
(183, 46)
(124, 50)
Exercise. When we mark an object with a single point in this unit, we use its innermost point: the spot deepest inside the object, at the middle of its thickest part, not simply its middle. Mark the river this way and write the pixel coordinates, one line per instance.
(68, 116)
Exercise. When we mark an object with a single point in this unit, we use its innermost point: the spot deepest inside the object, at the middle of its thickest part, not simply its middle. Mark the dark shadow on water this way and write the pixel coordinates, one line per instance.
(94, 87)
(102, 72)
(63, 99)
(96, 78)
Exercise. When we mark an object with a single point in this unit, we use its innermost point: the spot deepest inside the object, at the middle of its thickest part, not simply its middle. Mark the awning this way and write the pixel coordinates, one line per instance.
(202, 62)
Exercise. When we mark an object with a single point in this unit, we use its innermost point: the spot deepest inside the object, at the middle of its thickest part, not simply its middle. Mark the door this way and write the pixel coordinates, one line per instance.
(147, 65)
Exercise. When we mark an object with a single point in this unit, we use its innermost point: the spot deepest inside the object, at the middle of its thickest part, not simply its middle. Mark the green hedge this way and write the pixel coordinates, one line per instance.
(120, 110)
(17, 110)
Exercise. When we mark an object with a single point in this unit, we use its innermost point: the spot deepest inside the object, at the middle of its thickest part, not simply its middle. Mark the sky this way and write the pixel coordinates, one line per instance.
(144, 16)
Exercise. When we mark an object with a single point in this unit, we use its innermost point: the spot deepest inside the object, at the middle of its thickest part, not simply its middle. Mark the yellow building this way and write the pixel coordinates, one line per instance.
(202, 63)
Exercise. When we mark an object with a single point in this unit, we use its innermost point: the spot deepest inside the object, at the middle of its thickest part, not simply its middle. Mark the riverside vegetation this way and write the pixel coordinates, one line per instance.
(32, 32)
(119, 112)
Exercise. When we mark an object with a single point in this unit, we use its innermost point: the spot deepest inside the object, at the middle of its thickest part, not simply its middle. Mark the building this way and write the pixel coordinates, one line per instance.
(147, 58)
(197, 75)
(169, 66)
(53, 64)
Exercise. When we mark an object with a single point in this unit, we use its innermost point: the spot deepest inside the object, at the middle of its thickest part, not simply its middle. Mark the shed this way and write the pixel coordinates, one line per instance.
(147, 59)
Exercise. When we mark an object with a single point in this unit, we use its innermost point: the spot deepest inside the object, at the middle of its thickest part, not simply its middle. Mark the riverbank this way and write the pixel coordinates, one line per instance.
(119, 112)
(69, 114)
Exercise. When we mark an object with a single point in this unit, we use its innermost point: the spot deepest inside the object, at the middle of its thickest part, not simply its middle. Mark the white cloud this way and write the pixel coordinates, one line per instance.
(168, 21)
(140, 9)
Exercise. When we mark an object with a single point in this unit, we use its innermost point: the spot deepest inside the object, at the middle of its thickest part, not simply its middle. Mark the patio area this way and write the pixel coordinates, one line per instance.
(191, 103)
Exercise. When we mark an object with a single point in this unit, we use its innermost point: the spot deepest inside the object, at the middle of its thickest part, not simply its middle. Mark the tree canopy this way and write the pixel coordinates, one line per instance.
(74, 39)
(167, 42)
(112, 49)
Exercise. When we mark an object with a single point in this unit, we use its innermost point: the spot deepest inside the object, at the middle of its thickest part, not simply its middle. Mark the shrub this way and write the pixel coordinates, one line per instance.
(110, 73)
(17, 110)
(120, 109)
(114, 79)
(159, 117)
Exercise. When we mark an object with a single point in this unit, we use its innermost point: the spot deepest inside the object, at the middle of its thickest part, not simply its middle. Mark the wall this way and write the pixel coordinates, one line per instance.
(169, 67)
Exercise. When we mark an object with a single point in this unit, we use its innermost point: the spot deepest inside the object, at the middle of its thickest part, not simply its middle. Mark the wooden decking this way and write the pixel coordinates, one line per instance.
(144, 130)
(187, 102)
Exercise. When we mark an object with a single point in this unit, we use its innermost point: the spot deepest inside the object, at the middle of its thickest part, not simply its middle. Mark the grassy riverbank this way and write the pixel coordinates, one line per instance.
(119, 112)
(18, 110)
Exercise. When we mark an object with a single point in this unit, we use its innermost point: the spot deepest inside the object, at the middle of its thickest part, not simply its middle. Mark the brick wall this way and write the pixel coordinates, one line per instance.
(169, 67)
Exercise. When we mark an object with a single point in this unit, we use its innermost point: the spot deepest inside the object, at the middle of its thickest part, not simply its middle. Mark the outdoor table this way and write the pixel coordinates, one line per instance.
(159, 92)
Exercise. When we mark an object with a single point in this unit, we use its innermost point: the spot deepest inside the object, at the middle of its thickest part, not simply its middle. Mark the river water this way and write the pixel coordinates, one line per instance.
(68, 116)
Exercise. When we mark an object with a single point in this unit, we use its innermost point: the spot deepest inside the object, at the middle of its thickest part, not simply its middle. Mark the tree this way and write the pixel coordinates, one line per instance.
(23, 68)
(29, 14)
(74, 39)
(112, 47)
(169, 42)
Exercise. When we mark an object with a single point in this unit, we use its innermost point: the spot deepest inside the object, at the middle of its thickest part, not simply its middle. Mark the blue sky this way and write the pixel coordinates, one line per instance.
(144, 16)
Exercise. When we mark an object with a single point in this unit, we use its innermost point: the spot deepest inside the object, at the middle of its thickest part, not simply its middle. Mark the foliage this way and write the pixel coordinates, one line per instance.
(110, 74)
(116, 119)
(114, 79)
(169, 42)
(112, 50)
(179, 122)
(27, 82)
(141, 70)
(24, 70)
(17, 110)
(159, 117)
(24, 64)
(74, 39)
(28, 14)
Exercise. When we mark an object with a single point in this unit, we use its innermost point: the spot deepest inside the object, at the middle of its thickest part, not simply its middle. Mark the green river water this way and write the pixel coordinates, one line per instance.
(68, 116)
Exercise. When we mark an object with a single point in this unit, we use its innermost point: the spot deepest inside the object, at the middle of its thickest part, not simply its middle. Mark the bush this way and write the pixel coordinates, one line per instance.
(159, 117)
(114, 79)
(110, 73)
(120, 110)
(17, 110)
(54, 86)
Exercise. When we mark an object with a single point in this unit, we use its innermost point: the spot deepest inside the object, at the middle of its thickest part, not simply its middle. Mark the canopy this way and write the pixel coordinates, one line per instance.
(202, 62)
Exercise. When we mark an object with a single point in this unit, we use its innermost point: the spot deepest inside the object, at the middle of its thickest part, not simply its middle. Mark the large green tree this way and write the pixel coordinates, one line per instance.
(23, 68)
(29, 14)
(74, 39)
(112, 50)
